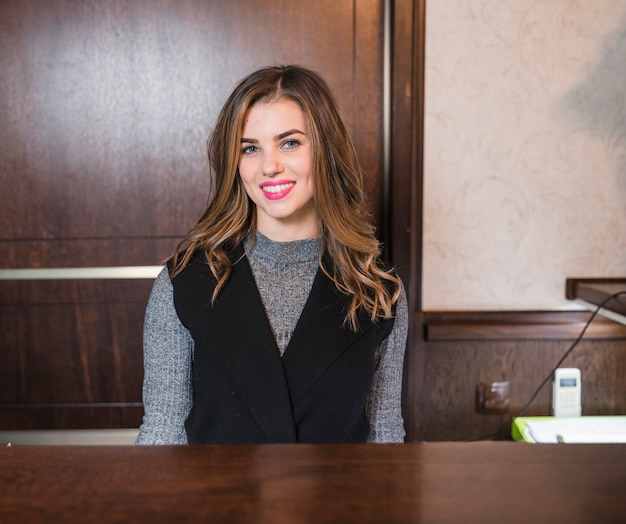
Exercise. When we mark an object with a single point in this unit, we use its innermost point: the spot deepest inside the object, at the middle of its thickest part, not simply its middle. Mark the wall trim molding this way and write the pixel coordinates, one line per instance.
(516, 325)
(81, 273)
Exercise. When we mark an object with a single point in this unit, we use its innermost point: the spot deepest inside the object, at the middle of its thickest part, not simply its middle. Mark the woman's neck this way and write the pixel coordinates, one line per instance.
(291, 234)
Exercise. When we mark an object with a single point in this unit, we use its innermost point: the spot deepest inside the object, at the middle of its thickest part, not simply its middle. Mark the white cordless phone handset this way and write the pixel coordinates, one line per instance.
(566, 393)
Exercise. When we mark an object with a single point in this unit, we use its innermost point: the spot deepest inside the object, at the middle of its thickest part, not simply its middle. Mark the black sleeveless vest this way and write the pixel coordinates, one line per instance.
(244, 392)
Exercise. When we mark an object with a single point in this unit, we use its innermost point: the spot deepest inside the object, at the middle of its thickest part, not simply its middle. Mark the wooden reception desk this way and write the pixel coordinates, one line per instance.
(481, 482)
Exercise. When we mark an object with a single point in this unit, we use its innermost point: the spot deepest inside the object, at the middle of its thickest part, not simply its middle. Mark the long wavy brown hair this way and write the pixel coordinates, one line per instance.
(348, 234)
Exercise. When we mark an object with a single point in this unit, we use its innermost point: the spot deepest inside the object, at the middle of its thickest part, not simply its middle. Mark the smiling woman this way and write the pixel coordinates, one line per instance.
(106, 106)
(275, 319)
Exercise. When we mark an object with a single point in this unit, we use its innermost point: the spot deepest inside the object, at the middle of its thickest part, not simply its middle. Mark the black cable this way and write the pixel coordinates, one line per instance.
(552, 371)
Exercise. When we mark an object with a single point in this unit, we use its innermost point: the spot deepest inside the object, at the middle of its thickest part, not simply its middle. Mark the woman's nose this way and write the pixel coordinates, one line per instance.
(271, 164)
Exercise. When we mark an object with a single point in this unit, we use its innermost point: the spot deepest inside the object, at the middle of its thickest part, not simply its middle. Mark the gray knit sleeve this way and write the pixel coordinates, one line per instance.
(168, 352)
(384, 405)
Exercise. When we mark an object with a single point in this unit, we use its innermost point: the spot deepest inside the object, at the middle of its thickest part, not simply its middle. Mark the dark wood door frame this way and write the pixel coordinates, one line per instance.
(404, 224)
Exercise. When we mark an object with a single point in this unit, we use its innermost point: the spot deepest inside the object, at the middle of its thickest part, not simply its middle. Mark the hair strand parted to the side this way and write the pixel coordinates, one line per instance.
(348, 235)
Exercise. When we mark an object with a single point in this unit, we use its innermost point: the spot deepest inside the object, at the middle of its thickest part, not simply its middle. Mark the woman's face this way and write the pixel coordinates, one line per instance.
(275, 168)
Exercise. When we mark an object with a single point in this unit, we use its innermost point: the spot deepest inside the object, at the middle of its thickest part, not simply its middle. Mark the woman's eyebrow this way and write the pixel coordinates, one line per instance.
(287, 133)
(276, 138)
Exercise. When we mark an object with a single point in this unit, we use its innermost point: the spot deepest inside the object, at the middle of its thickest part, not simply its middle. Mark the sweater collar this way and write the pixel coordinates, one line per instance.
(279, 255)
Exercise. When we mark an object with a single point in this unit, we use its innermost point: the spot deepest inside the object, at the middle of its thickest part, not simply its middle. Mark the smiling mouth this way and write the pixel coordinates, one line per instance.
(277, 188)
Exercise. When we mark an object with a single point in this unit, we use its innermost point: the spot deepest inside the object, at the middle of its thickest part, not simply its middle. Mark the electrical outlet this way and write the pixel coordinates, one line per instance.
(493, 398)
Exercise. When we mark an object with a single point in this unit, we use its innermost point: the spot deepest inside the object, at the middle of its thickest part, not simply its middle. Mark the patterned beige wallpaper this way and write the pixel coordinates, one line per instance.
(525, 150)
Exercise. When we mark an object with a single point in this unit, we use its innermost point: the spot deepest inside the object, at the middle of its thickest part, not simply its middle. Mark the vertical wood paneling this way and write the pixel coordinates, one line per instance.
(75, 345)
(106, 106)
(404, 232)
(367, 106)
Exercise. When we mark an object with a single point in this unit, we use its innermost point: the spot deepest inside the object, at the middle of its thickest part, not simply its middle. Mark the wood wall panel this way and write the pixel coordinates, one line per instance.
(38, 417)
(70, 351)
(105, 109)
(86, 252)
(106, 105)
(455, 365)
(72, 354)
(366, 113)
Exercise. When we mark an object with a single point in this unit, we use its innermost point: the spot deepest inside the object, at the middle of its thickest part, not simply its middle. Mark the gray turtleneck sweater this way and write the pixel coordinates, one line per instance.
(284, 274)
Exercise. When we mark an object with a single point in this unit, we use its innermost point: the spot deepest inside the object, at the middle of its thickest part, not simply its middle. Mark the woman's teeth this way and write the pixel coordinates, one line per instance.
(278, 188)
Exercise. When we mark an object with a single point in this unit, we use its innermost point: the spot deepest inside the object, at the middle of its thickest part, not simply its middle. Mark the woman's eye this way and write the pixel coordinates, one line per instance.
(248, 150)
(291, 144)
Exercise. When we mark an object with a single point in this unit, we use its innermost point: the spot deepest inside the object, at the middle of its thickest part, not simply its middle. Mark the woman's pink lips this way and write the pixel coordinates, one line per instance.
(277, 193)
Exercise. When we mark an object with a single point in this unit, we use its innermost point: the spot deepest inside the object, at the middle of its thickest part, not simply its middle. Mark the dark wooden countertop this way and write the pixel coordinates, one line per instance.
(365, 483)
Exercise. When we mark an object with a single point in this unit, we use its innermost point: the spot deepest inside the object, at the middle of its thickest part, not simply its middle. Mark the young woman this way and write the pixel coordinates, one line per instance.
(275, 319)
